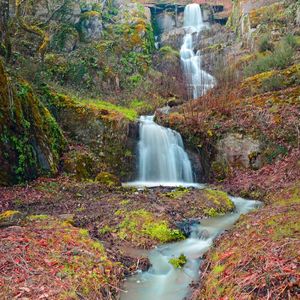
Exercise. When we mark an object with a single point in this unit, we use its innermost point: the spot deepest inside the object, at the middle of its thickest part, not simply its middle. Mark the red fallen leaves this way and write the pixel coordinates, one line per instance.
(33, 262)
(50, 263)
(226, 255)
(270, 178)
(265, 264)
(43, 243)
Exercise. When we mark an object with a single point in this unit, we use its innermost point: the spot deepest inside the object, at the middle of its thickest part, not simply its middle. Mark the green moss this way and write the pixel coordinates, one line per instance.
(80, 164)
(218, 269)
(169, 51)
(178, 262)
(212, 212)
(89, 14)
(38, 217)
(129, 113)
(84, 232)
(107, 179)
(8, 215)
(177, 193)
(31, 141)
(161, 231)
(141, 224)
(219, 197)
(106, 229)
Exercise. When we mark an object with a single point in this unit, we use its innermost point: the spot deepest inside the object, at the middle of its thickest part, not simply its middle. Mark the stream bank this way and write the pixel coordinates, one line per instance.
(119, 219)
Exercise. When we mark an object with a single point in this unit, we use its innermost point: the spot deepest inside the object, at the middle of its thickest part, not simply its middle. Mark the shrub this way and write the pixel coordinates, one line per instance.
(279, 59)
(291, 41)
(168, 50)
(273, 83)
(265, 44)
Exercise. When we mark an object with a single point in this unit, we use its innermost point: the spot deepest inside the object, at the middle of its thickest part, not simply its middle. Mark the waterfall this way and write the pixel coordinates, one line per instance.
(198, 81)
(162, 157)
(162, 160)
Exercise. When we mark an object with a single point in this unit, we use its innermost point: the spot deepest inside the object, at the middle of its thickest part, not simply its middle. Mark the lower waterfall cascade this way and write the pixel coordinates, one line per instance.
(162, 159)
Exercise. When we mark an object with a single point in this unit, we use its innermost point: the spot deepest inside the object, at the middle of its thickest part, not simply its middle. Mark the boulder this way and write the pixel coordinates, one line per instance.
(187, 226)
(240, 151)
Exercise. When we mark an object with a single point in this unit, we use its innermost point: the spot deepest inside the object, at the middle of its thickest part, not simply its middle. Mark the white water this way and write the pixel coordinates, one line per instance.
(198, 81)
(162, 158)
(162, 281)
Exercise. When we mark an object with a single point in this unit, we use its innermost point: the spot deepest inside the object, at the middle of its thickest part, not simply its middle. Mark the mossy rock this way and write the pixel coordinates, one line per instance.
(143, 228)
(10, 218)
(220, 169)
(31, 141)
(108, 179)
(221, 201)
(81, 164)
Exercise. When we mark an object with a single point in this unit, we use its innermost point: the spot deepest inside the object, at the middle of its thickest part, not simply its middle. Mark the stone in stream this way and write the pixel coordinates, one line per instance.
(186, 226)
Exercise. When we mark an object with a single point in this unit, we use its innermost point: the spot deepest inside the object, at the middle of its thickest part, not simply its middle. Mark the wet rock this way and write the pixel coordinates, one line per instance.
(186, 226)
(173, 38)
(203, 234)
(30, 140)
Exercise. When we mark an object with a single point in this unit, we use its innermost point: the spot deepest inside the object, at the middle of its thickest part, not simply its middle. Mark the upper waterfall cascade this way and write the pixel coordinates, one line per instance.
(198, 81)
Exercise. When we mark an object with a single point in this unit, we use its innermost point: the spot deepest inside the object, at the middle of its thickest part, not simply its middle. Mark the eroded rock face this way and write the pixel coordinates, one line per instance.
(90, 26)
(100, 140)
(30, 139)
(240, 151)
(173, 38)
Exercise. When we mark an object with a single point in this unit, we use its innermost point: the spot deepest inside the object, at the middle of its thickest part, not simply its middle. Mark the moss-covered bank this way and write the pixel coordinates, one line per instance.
(31, 141)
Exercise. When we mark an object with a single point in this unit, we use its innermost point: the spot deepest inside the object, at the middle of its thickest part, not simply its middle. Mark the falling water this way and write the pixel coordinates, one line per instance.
(198, 81)
(162, 158)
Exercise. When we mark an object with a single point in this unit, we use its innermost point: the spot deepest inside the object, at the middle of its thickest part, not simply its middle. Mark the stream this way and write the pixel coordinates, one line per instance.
(162, 281)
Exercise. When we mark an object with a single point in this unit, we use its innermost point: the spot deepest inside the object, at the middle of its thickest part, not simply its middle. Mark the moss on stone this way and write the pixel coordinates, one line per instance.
(31, 141)
(221, 201)
(177, 193)
(141, 225)
(178, 262)
(10, 217)
(107, 179)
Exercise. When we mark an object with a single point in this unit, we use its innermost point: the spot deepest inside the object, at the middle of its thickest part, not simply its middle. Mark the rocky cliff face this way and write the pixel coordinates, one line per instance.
(31, 141)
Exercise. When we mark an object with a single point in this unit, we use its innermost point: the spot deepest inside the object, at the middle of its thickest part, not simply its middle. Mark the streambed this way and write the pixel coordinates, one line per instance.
(162, 281)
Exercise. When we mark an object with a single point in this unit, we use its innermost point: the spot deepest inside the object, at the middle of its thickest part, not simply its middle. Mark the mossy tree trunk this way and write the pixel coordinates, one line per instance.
(32, 29)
